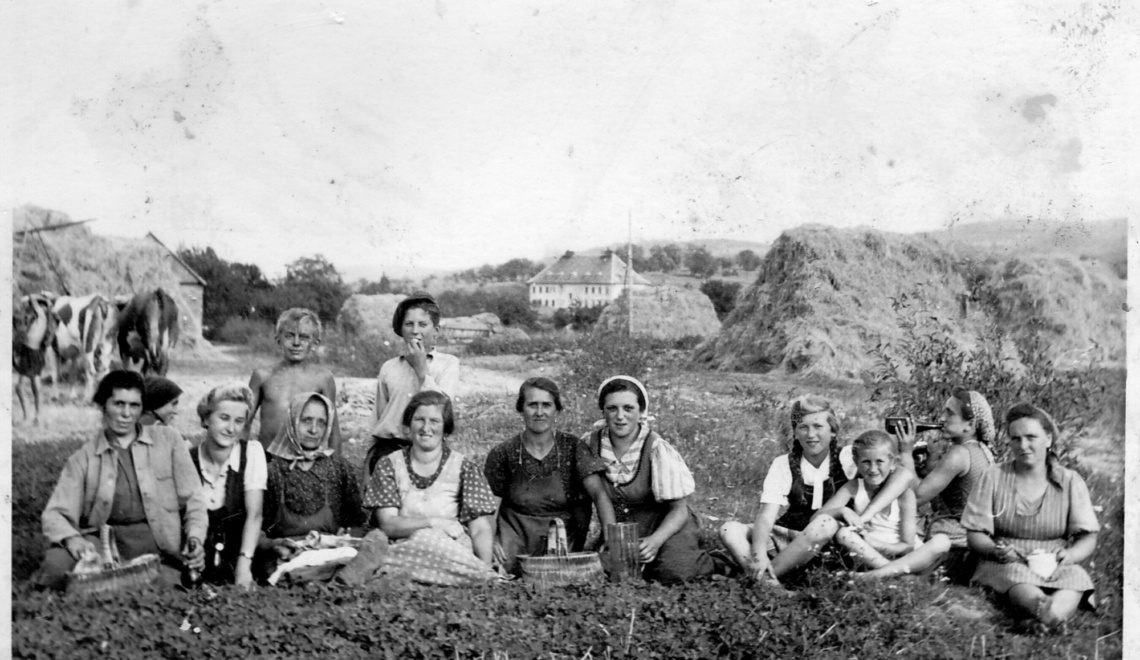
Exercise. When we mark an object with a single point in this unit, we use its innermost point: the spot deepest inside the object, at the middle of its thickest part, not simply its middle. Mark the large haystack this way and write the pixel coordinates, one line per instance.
(88, 263)
(665, 312)
(824, 298)
(370, 316)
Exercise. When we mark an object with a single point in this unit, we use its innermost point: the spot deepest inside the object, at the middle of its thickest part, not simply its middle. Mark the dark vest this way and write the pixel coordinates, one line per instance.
(223, 540)
(799, 498)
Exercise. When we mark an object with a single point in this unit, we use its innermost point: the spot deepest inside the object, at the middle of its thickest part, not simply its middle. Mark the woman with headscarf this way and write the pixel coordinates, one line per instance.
(542, 474)
(138, 479)
(309, 486)
(432, 505)
(967, 432)
(160, 401)
(649, 484)
(1032, 522)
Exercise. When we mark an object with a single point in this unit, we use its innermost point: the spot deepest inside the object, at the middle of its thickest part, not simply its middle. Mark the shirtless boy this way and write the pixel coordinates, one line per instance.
(298, 334)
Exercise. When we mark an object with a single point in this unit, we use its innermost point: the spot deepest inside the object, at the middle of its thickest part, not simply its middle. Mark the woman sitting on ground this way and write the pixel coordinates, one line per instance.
(796, 487)
(649, 484)
(967, 432)
(432, 506)
(542, 474)
(1028, 506)
(234, 476)
(309, 487)
(137, 479)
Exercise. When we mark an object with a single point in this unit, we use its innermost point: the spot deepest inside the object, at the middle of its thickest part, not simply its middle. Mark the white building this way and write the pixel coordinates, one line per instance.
(590, 280)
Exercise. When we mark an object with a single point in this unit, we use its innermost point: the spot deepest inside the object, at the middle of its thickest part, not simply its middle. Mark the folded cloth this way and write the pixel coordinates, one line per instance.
(311, 558)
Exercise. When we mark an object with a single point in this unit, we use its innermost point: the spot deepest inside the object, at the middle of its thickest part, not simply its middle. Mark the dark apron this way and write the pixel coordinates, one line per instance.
(528, 509)
(223, 539)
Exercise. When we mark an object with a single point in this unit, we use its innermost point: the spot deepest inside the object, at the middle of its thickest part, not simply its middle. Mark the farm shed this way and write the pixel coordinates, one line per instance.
(190, 283)
(588, 280)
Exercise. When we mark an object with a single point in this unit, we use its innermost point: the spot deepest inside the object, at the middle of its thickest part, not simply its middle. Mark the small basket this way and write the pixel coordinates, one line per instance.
(112, 575)
(560, 567)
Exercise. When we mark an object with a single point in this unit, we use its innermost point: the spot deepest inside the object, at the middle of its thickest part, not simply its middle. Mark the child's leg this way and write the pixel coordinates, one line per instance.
(923, 558)
(737, 539)
(862, 551)
(805, 546)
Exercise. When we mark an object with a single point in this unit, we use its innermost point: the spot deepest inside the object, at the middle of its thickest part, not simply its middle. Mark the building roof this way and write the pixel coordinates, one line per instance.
(571, 268)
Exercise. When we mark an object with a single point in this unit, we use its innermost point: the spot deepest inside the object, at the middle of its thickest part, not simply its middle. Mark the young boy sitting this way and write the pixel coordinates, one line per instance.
(419, 369)
(298, 333)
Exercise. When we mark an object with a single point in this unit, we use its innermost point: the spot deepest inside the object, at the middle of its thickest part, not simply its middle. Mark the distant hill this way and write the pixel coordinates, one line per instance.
(719, 247)
(1105, 241)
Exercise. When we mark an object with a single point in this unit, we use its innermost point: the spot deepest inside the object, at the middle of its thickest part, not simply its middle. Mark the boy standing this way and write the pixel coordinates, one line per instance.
(419, 369)
(298, 332)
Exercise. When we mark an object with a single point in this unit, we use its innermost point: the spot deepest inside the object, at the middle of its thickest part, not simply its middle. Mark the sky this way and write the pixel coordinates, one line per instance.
(412, 137)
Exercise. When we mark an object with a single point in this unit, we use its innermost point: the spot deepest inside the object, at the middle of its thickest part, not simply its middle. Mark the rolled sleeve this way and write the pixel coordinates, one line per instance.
(382, 491)
(978, 516)
(586, 462)
(1082, 516)
(191, 494)
(778, 482)
(672, 479)
(256, 470)
(60, 519)
(475, 498)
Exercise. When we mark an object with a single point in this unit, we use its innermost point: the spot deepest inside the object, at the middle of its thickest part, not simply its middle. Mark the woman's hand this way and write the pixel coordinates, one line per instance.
(79, 547)
(243, 575)
(851, 519)
(905, 435)
(759, 568)
(1064, 557)
(648, 548)
(499, 555)
(194, 554)
(448, 526)
(1007, 554)
(285, 548)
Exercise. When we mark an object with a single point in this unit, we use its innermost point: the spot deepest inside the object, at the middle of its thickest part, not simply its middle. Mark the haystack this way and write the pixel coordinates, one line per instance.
(88, 263)
(825, 297)
(370, 316)
(664, 312)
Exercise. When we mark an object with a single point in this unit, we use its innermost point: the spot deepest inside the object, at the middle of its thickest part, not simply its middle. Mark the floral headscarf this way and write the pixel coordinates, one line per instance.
(287, 444)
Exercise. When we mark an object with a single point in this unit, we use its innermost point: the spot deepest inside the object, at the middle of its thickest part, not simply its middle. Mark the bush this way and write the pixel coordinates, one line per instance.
(248, 332)
(511, 303)
(723, 296)
(919, 373)
(577, 316)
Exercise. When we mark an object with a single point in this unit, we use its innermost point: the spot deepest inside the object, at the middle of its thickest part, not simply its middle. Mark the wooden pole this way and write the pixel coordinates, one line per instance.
(629, 278)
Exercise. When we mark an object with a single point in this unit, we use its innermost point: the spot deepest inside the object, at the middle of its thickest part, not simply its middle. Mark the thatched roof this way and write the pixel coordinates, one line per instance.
(571, 268)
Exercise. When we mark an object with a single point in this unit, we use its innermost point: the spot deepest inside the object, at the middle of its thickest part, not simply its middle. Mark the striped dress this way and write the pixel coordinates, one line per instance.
(1062, 513)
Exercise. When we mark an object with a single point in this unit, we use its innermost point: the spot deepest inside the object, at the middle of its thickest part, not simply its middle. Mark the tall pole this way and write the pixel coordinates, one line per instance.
(629, 277)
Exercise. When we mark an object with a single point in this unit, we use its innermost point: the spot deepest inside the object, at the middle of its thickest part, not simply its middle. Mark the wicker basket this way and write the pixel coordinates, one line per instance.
(560, 567)
(112, 574)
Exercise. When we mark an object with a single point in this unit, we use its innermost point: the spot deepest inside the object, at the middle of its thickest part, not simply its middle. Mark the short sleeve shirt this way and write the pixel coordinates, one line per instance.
(475, 498)
(672, 479)
(778, 482)
(256, 473)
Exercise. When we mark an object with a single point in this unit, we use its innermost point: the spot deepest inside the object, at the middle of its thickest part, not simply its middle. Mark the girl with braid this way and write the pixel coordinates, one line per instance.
(797, 485)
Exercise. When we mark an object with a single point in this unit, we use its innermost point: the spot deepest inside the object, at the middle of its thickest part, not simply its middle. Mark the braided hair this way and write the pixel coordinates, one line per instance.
(802, 407)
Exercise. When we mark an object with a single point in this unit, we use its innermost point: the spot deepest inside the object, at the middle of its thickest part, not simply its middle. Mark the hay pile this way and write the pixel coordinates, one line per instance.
(823, 299)
(664, 312)
(370, 316)
(88, 263)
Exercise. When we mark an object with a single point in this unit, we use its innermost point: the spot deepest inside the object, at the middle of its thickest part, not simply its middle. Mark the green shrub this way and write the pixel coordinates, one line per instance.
(256, 334)
(919, 373)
